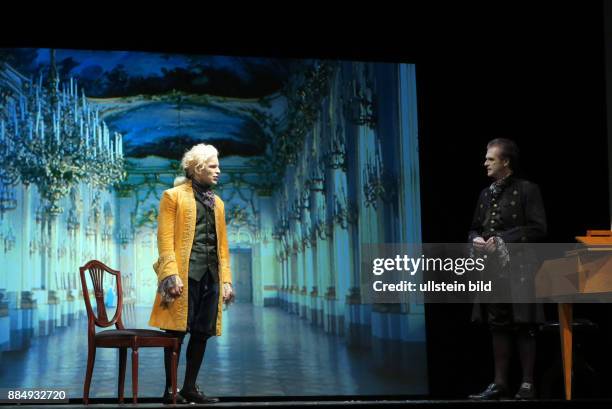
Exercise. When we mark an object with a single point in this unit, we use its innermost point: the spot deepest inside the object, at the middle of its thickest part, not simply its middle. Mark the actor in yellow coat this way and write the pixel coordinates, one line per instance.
(176, 227)
(179, 309)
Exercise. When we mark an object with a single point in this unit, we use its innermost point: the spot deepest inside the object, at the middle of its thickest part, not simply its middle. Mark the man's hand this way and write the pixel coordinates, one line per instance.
(490, 245)
(228, 291)
(479, 243)
(177, 290)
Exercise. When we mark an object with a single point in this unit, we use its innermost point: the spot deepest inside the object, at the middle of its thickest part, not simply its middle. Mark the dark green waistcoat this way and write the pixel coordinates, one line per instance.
(203, 256)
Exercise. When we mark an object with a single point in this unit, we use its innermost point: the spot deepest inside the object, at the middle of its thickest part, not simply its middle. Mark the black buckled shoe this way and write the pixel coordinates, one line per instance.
(167, 398)
(196, 396)
(526, 391)
(493, 392)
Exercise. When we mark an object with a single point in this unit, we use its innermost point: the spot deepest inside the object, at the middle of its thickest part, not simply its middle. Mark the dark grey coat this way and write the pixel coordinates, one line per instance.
(516, 216)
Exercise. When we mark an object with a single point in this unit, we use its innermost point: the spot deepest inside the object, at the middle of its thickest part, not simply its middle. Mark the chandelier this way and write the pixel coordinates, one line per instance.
(53, 137)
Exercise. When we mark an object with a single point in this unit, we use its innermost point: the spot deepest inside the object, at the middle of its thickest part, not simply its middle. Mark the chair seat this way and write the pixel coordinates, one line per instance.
(129, 333)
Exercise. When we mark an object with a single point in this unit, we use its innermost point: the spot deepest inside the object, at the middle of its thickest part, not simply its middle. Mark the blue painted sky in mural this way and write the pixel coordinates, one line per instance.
(149, 123)
(121, 73)
(147, 64)
(143, 64)
(157, 126)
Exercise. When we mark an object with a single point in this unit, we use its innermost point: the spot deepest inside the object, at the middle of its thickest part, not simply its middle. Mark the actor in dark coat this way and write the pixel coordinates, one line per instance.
(509, 211)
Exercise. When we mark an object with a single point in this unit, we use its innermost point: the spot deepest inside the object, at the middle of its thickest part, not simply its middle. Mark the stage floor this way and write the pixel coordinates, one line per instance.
(361, 403)
(263, 352)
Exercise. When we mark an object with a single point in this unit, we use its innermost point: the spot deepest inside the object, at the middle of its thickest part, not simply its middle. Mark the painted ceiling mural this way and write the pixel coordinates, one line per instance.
(161, 103)
(144, 110)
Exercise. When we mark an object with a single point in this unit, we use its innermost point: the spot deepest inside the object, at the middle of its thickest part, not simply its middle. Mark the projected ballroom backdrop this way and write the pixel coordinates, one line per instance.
(317, 158)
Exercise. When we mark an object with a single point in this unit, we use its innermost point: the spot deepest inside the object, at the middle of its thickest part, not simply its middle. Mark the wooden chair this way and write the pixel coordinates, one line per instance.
(121, 337)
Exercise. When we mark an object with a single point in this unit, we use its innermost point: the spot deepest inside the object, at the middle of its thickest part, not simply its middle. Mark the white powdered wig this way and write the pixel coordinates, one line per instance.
(194, 161)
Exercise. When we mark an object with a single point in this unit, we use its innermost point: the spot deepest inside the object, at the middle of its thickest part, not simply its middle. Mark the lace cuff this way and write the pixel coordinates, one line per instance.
(502, 251)
(165, 285)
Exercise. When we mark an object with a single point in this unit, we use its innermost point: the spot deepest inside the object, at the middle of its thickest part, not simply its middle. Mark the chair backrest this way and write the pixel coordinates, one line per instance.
(96, 270)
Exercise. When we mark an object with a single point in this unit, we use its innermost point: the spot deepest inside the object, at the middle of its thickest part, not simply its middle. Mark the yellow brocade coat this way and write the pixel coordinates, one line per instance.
(175, 231)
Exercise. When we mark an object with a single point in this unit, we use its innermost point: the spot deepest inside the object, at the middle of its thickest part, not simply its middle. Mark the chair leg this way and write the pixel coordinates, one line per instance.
(122, 365)
(91, 358)
(135, 374)
(173, 370)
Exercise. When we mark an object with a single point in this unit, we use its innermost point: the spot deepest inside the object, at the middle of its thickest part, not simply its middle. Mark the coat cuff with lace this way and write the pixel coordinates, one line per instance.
(502, 251)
